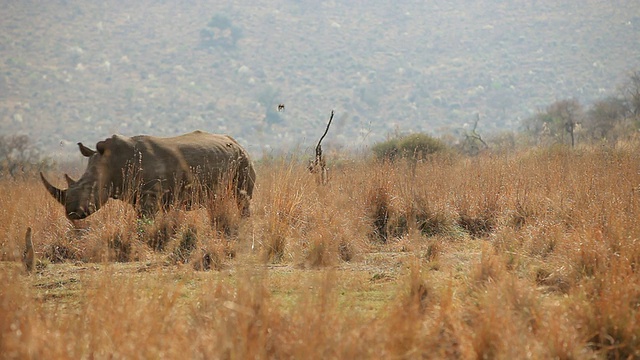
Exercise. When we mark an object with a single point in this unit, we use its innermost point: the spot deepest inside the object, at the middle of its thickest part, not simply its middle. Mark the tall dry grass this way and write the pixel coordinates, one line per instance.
(527, 255)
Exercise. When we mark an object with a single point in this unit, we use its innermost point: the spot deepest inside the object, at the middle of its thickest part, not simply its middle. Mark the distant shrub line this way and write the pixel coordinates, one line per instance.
(415, 146)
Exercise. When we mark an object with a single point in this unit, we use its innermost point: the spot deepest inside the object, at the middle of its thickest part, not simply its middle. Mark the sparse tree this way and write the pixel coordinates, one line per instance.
(604, 117)
(473, 143)
(568, 114)
(19, 156)
(560, 118)
(631, 91)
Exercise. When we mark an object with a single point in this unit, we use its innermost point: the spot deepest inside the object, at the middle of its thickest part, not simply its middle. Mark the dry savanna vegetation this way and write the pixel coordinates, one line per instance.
(532, 254)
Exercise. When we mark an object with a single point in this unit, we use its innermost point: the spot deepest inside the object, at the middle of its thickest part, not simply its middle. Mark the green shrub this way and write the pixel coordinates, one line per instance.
(414, 146)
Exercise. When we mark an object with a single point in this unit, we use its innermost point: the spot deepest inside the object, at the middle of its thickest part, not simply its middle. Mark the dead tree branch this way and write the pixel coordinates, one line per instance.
(319, 165)
(472, 138)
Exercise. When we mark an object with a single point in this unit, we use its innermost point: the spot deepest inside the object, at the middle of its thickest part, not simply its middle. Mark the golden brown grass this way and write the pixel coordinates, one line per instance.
(527, 255)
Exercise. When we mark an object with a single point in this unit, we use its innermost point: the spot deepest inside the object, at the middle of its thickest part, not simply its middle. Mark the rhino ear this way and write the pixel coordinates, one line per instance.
(102, 146)
(85, 150)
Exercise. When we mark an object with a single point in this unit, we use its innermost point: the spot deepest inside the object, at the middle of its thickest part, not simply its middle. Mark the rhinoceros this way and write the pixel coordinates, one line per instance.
(153, 173)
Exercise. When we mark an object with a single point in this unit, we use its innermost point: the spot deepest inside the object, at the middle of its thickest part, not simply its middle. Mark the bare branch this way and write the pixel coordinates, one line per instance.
(475, 135)
(319, 147)
(319, 164)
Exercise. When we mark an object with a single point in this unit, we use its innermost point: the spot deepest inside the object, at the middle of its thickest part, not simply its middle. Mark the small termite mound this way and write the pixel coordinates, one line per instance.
(28, 256)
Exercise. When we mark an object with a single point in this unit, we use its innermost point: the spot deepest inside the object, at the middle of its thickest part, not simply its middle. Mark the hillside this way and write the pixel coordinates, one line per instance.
(82, 70)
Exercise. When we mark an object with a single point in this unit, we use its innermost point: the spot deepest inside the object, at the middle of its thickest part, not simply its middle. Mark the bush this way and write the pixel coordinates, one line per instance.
(415, 146)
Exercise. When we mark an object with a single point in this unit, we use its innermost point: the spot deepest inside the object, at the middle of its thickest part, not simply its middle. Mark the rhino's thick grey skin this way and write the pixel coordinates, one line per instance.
(153, 173)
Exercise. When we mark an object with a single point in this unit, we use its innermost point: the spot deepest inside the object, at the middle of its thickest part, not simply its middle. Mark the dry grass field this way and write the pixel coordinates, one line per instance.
(527, 255)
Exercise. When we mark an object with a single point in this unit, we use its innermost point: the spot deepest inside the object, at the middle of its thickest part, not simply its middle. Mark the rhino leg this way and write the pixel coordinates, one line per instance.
(149, 205)
(243, 204)
(154, 200)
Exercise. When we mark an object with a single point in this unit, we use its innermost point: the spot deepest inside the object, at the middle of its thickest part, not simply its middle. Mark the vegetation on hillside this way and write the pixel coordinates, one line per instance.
(82, 71)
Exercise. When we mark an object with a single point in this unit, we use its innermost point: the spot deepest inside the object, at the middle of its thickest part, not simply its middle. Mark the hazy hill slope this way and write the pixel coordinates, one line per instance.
(82, 70)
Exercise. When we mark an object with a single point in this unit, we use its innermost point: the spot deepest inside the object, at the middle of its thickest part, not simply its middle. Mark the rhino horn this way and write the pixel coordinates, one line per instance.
(60, 195)
(85, 150)
(70, 181)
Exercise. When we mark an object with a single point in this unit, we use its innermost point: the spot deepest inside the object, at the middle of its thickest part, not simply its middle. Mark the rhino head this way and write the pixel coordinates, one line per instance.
(86, 195)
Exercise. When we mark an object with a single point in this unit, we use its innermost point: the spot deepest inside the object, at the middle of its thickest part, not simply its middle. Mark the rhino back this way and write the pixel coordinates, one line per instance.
(185, 158)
